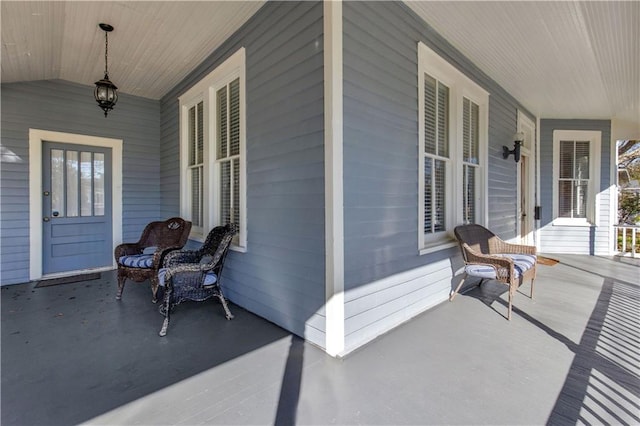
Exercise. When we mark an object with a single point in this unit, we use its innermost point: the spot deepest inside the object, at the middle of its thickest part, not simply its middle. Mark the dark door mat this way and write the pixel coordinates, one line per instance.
(68, 280)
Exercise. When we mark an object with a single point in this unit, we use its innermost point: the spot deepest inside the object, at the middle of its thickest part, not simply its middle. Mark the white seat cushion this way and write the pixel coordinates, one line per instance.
(522, 263)
(137, 261)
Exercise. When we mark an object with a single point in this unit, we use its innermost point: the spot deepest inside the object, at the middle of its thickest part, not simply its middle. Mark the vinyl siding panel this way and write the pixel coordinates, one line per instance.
(62, 106)
(380, 168)
(502, 173)
(281, 276)
(575, 239)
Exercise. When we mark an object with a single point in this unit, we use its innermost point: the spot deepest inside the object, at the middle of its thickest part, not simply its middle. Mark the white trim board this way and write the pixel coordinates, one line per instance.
(415, 290)
(36, 139)
(334, 191)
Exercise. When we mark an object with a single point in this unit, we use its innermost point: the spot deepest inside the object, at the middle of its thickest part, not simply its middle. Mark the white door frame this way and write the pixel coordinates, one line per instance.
(36, 139)
(528, 127)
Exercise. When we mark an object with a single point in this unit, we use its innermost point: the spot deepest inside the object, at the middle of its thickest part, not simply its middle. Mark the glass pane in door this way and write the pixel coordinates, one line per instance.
(57, 180)
(86, 177)
(72, 184)
(98, 184)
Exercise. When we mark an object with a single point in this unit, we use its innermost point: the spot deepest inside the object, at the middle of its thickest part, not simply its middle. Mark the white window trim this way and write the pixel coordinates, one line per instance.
(593, 197)
(460, 86)
(205, 90)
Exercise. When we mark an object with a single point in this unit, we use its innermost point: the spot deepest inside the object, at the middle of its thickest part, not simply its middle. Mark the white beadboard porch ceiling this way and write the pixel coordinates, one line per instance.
(560, 59)
(153, 46)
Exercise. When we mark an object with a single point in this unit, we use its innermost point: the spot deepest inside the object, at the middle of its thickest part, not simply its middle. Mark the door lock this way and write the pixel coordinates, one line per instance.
(46, 219)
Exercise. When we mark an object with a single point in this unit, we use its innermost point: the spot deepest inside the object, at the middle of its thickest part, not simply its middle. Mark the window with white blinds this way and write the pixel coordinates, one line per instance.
(453, 129)
(573, 182)
(576, 176)
(196, 164)
(213, 151)
(470, 159)
(228, 151)
(436, 154)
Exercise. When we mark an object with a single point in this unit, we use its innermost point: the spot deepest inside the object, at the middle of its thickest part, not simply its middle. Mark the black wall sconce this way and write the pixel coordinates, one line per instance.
(517, 143)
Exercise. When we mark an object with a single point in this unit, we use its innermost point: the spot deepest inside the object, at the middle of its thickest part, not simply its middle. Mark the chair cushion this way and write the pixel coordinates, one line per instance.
(480, 271)
(149, 250)
(210, 277)
(137, 261)
(521, 264)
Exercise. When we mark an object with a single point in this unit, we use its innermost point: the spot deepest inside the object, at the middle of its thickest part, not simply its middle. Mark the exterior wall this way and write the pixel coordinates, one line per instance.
(281, 276)
(386, 280)
(575, 239)
(68, 107)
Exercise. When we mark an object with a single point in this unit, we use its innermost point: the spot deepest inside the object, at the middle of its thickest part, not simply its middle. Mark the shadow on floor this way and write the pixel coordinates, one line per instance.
(603, 383)
(491, 291)
(72, 352)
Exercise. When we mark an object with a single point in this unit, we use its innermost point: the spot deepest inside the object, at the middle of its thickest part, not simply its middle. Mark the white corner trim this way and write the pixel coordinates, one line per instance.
(36, 140)
(333, 160)
(537, 183)
(613, 194)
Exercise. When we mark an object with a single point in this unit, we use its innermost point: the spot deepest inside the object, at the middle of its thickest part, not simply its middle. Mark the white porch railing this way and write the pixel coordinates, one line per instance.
(627, 239)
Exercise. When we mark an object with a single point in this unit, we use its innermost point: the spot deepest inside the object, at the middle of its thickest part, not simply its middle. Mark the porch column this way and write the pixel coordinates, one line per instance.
(333, 163)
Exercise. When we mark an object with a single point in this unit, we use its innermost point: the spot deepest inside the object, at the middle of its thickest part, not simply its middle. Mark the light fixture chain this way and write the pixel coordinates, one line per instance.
(106, 50)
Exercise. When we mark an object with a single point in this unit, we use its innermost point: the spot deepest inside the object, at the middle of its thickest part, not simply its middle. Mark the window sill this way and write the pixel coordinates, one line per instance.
(437, 246)
(579, 223)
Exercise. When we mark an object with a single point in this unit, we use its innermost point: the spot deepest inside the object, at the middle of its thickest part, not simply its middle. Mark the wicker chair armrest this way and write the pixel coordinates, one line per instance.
(477, 257)
(127, 249)
(176, 257)
(504, 266)
(161, 253)
(183, 267)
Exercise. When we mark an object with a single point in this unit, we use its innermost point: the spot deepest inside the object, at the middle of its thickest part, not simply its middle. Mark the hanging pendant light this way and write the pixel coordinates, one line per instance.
(106, 93)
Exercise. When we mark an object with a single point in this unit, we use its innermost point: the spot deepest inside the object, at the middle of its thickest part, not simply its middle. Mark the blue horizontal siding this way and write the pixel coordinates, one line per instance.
(381, 163)
(575, 240)
(62, 106)
(281, 276)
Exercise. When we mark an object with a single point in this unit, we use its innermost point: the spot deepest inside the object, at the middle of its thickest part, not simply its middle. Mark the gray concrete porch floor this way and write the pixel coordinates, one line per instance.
(72, 354)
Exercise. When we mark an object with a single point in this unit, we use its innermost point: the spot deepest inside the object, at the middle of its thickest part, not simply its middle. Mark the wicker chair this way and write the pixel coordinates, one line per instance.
(141, 261)
(195, 274)
(486, 256)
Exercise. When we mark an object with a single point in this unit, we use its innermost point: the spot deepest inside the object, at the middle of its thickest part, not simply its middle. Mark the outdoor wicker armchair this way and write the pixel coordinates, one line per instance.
(486, 256)
(141, 261)
(195, 274)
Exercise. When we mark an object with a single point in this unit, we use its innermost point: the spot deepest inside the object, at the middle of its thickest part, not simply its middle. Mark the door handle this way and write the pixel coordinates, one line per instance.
(55, 213)
(46, 219)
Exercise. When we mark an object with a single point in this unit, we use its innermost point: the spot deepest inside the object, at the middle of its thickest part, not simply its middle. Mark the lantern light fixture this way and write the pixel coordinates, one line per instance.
(106, 93)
